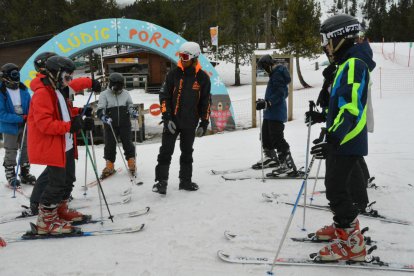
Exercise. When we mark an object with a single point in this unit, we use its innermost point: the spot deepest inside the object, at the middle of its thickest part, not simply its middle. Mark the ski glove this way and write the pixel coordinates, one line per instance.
(88, 124)
(76, 124)
(321, 150)
(106, 119)
(316, 117)
(96, 86)
(170, 126)
(262, 104)
(202, 129)
(88, 111)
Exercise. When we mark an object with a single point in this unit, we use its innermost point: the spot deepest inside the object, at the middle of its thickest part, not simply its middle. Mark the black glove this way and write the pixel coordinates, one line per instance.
(323, 98)
(88, 111)
(262, 104)
(328, 72)
(321, 150)
(315, 116)
(169, 124)
(88, 124)
(202, 129)
(76, 124)
(96, 86)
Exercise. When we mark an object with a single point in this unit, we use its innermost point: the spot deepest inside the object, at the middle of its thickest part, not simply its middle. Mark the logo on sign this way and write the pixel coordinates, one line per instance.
(155, 109)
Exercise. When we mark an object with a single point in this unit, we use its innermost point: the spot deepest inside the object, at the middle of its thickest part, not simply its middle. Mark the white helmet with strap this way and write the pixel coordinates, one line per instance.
(189, 50)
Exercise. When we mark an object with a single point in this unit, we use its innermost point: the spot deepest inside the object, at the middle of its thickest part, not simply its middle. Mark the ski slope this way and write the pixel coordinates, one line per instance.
(184, 230)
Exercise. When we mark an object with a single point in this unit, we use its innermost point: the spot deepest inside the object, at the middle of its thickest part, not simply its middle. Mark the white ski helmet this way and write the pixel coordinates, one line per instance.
(189, 50)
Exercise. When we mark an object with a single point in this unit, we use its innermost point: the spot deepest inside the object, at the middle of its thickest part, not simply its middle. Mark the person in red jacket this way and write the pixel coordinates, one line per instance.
(77, 85)
(52, 128)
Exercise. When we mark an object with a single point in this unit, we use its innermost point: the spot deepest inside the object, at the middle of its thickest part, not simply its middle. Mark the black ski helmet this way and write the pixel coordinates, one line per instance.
(116, 82)
(55, 66)
(10, 75)
(266, 62)
(40, 61)
(339, 33)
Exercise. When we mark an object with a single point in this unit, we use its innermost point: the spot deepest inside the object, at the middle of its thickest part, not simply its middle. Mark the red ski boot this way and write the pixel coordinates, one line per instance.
(48, 222)
(350, 245)
(327, 233)
(70, 215)
(2, 243)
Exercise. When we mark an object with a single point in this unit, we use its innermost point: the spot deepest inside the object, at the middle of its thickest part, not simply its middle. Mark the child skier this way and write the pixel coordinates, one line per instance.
(76, 85)
(52, 128)
(274, 117)
(14, 107)
(346, 142)
(115, 109)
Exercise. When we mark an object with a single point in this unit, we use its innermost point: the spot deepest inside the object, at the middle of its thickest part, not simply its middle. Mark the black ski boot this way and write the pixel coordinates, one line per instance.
(287, 166)
(25, 176)
(31, 211)
(160, 187)
(188, 185)
(11, 177)
(269, 160)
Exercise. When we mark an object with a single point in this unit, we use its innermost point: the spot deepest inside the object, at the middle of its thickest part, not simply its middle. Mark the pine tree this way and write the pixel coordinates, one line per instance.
(299, 33)
(353, 9)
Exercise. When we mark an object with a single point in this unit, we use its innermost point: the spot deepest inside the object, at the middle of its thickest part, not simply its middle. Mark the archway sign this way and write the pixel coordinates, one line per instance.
(113, 31)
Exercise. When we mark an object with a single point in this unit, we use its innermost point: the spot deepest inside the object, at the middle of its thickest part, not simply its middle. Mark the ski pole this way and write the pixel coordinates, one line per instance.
(99, 191)
(270, 272)
(93, 164)
(311, 106)
(261, 142)
(316, 180)
(135, 145)
(85, 187)
(19, 159)
(131, 178)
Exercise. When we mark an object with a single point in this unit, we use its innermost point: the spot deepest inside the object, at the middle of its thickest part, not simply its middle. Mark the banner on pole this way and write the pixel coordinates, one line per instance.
(214, 35)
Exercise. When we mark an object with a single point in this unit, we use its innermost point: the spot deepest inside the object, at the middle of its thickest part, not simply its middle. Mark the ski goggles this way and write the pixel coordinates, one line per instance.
(185, 57)
(67, 77)
(14, 75)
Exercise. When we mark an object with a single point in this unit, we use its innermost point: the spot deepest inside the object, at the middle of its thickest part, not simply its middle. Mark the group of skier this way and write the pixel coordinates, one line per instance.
(53, 123)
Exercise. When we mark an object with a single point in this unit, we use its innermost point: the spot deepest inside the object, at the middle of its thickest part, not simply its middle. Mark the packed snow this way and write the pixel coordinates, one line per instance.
(184, 230)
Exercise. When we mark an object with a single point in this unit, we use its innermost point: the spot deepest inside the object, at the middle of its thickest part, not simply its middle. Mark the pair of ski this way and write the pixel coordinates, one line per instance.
(300, 174)
(371, 262)
(32, 234)
(101, 179)
(370, 213)
(28, 214)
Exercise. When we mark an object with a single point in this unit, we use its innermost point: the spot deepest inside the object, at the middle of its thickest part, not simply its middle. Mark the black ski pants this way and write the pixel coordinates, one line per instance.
(60, 181)
(124, 132)
(273, 136)
(187, 136)
(343, 181)
(39, 187)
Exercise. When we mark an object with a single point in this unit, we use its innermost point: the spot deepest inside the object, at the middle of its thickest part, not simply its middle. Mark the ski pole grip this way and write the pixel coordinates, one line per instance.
(322, 134)
(312, 105)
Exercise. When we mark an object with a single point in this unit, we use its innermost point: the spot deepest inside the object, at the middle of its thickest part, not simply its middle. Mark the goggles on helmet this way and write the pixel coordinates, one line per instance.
(185, 56)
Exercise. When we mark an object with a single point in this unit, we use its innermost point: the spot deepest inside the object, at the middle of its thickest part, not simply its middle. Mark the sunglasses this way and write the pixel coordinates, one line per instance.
(184, 56)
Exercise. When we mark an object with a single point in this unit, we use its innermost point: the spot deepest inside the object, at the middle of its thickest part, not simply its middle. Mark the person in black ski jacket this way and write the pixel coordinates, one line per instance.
(185, 103)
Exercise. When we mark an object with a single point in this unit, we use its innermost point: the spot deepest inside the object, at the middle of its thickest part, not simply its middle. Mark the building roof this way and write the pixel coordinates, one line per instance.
(26, 41)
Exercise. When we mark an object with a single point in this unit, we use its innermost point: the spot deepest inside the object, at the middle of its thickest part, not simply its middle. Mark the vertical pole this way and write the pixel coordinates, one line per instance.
(393, 59)
(409, 53)
(290, 96)
(217, 49)
(380, 82)
(253, 90)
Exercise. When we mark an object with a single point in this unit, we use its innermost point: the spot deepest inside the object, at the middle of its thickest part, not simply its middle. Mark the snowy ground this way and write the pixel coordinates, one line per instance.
(184, 230)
